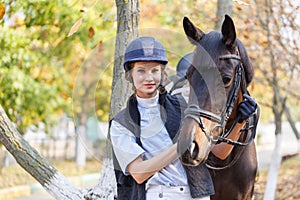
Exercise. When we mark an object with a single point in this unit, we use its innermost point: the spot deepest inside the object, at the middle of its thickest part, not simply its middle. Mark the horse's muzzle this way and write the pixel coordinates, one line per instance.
(193, 146)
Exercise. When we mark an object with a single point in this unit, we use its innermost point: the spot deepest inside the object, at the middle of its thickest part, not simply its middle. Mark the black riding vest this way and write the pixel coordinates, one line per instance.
(171, 111)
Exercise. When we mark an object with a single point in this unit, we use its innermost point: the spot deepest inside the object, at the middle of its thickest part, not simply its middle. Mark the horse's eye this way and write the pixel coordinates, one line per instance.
(226, 80)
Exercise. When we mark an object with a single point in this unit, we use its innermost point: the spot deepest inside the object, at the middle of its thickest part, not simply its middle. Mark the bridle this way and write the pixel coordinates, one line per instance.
(194, 112)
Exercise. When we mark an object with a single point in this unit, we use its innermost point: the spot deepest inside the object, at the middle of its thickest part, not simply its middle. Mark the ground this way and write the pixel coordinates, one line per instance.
(288, 187)
(288, 182)
(15, 175)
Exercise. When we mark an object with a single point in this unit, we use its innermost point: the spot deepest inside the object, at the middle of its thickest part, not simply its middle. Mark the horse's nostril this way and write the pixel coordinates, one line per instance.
(194, 150)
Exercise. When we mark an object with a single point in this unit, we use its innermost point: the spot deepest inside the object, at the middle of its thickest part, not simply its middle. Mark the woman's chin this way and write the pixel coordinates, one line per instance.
(150, 93)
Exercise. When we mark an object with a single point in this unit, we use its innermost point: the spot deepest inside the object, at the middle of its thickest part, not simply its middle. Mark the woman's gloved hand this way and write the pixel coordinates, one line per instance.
(246, 108)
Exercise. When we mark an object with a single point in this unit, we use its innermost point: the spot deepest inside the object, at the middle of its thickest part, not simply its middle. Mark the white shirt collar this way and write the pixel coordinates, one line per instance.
(148, 102)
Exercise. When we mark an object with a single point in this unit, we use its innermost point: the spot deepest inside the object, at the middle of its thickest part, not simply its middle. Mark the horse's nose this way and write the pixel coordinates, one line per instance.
(193, 150)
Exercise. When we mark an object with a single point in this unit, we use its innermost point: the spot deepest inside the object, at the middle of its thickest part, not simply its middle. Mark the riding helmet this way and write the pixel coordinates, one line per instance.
(183, 64)
(144, 49)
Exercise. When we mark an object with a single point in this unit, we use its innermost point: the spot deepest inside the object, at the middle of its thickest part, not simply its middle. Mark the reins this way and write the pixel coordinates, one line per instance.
(250, 125)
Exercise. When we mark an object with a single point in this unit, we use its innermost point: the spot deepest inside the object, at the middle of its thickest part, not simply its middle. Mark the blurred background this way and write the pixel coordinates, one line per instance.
(54, 53)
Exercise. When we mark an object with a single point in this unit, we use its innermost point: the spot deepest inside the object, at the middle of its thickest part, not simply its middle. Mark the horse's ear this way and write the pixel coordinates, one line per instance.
(194, 34)
(228, 31)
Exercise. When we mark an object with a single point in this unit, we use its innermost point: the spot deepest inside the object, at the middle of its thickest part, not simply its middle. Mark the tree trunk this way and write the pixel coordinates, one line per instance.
(224, 7)
(292, 123)
(293, 126)
(28, 158)
(276, 155)
(81, 146)
(299, 146)
(273, 170)
(127, 19)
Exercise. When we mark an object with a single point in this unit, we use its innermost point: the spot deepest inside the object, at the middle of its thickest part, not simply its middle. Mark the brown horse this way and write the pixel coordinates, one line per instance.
(219, 75)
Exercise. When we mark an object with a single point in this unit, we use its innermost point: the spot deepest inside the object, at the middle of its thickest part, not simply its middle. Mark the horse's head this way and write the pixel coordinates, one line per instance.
(220, 70)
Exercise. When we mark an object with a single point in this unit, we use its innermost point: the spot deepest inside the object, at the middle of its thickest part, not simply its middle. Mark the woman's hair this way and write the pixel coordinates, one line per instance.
(161, 88)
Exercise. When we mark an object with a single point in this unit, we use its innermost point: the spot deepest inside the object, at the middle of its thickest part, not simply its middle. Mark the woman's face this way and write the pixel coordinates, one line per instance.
(146, 78)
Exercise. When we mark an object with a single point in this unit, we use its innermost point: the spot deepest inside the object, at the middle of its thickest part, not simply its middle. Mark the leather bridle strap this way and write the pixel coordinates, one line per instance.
(249, 126)
(230, 56)
(194, 109)
(195, 112)
(233, 95)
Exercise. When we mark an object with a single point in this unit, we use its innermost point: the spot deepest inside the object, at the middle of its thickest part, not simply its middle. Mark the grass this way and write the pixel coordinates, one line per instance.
(15, 175)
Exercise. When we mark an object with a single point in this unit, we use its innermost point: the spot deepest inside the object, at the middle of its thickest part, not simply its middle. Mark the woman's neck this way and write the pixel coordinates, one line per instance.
(148, 102)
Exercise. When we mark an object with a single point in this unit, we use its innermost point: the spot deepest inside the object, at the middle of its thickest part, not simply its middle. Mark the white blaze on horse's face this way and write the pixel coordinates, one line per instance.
(193, 145)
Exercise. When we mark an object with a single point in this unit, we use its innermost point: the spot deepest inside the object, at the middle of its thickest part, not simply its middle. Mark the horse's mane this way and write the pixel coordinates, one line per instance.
(249, 71)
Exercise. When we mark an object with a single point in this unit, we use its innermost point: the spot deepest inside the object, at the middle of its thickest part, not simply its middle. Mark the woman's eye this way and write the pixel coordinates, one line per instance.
(155, 70)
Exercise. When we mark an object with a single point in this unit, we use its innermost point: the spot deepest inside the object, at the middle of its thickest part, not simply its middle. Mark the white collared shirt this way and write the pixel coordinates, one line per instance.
(154, 139)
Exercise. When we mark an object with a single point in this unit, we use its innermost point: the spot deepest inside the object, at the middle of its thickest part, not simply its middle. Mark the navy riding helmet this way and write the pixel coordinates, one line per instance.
(183, 64)
(144, 49)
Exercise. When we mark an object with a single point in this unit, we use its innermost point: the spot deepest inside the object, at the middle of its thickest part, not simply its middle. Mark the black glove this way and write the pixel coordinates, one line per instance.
(246, 108)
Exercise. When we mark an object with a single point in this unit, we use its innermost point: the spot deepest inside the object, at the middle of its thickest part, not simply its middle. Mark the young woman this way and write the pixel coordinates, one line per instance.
(143, 135)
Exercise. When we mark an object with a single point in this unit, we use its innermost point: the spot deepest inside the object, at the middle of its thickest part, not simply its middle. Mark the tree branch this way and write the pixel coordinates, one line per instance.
(30, 160)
